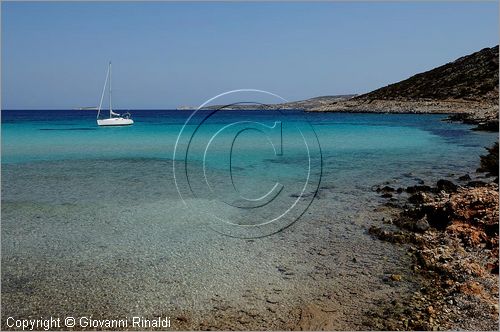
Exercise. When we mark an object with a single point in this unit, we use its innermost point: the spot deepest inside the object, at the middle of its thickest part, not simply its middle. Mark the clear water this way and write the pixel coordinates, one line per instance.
(101, 206)
(370, 146)
(356, 150)
(345, 151)
(29, 136)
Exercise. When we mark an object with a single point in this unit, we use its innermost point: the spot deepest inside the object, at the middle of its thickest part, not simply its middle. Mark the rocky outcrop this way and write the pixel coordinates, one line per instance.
(489, 162)
(452, 233)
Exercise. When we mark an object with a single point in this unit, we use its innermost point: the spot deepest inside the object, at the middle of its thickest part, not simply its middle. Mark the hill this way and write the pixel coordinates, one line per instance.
(467, 88)
(473, 77)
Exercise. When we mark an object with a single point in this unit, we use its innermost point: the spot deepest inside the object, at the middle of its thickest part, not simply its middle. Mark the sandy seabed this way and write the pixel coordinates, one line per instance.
(74, 248)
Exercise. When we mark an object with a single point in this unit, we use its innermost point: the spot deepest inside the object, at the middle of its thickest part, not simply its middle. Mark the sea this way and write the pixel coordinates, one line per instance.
(189, 212)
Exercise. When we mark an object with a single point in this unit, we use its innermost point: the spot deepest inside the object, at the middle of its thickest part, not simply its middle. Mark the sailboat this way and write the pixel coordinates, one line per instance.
(115, 119)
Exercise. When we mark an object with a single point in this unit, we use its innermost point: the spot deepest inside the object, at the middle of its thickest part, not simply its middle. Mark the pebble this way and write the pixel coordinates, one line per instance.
(395, 277)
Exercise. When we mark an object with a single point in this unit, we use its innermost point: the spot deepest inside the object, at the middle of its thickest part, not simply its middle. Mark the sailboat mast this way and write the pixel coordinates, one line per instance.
(110, 106)
(102, 94)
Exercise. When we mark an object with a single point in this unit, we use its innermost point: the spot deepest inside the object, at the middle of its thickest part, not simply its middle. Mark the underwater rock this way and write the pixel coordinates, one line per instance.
(418, 188)
(446, 185)
(489, 162)
(465, 177)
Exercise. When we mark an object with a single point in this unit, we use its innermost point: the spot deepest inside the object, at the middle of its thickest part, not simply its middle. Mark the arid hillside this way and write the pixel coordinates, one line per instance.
(473, 77)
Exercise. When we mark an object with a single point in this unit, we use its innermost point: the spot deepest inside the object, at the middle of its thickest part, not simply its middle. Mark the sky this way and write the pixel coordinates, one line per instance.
(54, 55)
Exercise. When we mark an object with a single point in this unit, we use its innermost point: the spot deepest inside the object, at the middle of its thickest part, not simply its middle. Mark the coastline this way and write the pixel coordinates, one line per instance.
(483, 114)
(451, 232)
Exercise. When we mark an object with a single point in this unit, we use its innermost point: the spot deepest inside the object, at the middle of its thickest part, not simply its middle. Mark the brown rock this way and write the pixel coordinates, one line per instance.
(395, 277)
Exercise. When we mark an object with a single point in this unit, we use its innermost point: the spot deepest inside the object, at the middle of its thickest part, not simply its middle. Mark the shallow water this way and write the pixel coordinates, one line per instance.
(93, 223)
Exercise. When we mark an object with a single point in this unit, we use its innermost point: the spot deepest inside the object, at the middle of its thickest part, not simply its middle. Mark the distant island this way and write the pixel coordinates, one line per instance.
(308, 104)
(467, 88)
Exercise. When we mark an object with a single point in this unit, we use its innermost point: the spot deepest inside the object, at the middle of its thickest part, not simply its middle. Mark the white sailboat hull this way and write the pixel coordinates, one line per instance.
(114, 119)
(115, 122)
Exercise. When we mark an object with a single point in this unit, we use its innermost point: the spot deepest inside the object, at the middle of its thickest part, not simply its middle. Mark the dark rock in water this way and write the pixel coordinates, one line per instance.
(488, 125)
(465, 177)
(385, 189)
(475, 184)
(380, 233)
(419, 181)
(459, 117)
(386, 195)
(415, 213)
(417, 223)
(396, 204)
(417, 198)
(421, 225)
(489, 162)
(399, 190)
(446, 185)
(418, 188)
(393, 237)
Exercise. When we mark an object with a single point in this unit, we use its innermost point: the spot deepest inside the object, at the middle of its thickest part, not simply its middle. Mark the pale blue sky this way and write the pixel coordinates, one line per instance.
(54, 55)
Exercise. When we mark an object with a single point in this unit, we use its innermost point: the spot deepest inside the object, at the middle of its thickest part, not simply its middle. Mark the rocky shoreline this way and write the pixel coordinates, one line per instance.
(451, 232)
(482, 114)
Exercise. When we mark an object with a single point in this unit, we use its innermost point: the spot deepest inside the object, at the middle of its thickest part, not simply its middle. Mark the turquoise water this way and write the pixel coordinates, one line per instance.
(370, 146)
(348, 152)
(29, 136)
(92, 219)
(360, 149)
